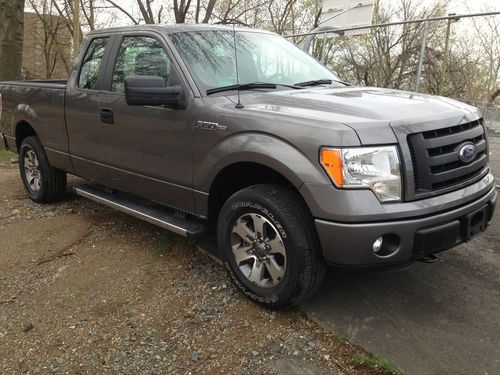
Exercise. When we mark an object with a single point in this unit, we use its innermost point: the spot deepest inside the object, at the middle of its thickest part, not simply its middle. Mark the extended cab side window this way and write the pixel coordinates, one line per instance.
(140, 56)
(91, 64)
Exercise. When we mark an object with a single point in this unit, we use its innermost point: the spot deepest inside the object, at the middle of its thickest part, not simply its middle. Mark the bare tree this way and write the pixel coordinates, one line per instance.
(90, 11)
(181, 9)
(152, 11)
(488, 38)
(11, 38)
(52, 38)
(278, 15)
(146, 10)
(123, 10)
(281, 16)
(388, 56)
(88, 8)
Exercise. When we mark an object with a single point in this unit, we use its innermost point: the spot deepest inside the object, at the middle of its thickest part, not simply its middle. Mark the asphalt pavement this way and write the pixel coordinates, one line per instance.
(439, 318)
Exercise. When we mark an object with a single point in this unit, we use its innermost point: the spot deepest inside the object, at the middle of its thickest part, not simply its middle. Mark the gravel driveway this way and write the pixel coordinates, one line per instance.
(87, 290)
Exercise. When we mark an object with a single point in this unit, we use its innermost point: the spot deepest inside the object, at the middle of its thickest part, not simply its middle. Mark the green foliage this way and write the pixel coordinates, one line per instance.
(338, 337)
(50, 232)
(378, 364)
(165, 244)
(300, 312)
(5, 156)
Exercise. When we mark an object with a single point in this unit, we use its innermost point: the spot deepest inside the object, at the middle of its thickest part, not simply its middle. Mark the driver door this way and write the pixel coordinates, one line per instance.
(146, 150)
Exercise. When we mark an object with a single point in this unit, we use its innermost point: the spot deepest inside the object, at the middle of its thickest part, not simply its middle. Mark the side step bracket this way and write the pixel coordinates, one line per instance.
(154, 215)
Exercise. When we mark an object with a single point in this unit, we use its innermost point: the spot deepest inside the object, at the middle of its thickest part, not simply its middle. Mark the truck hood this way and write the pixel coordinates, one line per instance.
(369, 111)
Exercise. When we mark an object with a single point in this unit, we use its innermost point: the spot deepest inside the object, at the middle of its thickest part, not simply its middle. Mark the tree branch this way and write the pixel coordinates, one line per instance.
(136, 22)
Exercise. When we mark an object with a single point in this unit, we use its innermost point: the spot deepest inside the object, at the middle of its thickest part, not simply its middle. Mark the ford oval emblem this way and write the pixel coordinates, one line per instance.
(467, 152)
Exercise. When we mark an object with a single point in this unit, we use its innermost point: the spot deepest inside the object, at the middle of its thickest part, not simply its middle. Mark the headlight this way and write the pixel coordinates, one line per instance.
(375, 168)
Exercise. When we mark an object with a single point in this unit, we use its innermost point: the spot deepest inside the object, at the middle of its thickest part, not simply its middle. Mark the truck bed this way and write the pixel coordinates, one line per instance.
(43, 102)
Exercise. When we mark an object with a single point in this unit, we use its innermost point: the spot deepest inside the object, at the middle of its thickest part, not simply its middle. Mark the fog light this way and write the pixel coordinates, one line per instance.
(377, 245)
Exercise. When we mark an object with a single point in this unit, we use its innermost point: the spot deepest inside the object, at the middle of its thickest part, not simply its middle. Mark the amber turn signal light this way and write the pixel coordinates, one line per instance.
(331, 160)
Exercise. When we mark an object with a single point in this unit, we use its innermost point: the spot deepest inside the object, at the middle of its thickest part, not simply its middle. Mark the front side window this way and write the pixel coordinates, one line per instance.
(262, 57)
(140, 56)
(91, 64)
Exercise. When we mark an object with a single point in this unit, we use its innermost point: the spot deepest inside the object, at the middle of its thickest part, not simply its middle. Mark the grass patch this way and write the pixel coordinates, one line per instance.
(300, 312)
(338, 337)
(378, 364)
(5, 156)
(165, 244)
(51, 232)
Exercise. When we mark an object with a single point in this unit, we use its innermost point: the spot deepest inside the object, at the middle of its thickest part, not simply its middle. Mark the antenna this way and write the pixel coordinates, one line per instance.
(238, 105)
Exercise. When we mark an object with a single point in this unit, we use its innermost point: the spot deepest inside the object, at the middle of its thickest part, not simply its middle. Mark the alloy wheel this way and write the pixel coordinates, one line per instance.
(32, 170)
(258, 250)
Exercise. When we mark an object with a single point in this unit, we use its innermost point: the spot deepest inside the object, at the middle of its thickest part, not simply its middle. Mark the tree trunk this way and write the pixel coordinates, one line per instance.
(210, 9)
(11, 39)
(494, 96)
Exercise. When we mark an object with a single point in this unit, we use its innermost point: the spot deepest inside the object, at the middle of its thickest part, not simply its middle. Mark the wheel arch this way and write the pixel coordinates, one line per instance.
(251, 158)
(23, 130)
(240, 175)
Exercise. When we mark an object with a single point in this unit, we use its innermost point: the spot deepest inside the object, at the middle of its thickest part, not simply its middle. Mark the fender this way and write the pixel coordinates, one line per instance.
(261, 148)
(44, 113)
(25, 113)
(53, 135)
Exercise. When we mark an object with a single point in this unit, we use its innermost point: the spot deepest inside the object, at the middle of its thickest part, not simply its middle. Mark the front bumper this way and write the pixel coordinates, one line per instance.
(351, 244)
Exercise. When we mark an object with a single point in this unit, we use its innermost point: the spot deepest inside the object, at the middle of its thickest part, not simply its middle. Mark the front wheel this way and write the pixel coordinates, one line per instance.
(42, 182)
(269, 246)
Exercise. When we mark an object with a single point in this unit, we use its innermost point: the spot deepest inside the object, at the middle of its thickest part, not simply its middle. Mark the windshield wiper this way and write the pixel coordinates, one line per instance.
(250, 86)
(315, 82)
(290, 86)
(244, 86)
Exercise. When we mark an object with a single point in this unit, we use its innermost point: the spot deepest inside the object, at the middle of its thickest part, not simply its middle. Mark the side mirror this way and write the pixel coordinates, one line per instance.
(152, 91)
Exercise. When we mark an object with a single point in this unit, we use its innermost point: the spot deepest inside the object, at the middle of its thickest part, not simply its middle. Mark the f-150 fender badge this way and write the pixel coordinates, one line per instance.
(204, 125)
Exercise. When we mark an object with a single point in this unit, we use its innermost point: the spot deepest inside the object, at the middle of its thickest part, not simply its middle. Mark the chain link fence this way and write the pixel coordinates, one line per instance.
(491, 115)
(457, 56)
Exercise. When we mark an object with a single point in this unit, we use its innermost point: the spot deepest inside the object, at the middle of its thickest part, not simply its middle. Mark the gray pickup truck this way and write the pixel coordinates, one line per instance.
(239, 134)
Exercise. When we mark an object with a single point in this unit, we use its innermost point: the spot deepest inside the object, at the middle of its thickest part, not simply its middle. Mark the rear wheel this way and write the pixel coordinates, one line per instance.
(269, 246)
(42, 182)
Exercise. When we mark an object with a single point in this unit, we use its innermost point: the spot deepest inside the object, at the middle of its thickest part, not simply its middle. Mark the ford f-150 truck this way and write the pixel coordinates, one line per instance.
(238, 133)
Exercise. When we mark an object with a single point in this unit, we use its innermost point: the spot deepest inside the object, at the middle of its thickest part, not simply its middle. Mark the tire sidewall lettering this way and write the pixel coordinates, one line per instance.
(263, 210)
(248, 293)
(257, 208)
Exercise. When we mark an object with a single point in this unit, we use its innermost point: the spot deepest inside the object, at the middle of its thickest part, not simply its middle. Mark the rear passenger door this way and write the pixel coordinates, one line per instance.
(147, 150)
(82, 105)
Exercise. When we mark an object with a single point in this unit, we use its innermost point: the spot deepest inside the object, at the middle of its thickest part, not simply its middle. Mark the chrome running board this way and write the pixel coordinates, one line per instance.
(154, 215)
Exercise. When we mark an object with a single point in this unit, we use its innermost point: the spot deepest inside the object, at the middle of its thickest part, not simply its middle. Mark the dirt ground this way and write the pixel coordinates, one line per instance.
(87, 290)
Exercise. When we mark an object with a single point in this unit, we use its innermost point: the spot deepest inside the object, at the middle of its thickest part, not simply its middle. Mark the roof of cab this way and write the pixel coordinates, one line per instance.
(176, 28)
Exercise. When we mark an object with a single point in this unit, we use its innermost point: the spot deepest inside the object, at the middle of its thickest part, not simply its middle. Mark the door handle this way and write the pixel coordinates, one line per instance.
(107, 115)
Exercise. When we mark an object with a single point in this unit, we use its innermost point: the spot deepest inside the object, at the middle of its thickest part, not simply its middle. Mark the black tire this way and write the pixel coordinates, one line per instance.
(52, 181)
(284, 209)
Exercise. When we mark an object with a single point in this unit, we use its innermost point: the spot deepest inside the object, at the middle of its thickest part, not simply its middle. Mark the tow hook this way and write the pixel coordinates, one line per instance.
(429, 259)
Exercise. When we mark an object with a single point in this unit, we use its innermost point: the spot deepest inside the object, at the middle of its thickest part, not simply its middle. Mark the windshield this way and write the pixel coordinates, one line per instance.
(209, 56)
